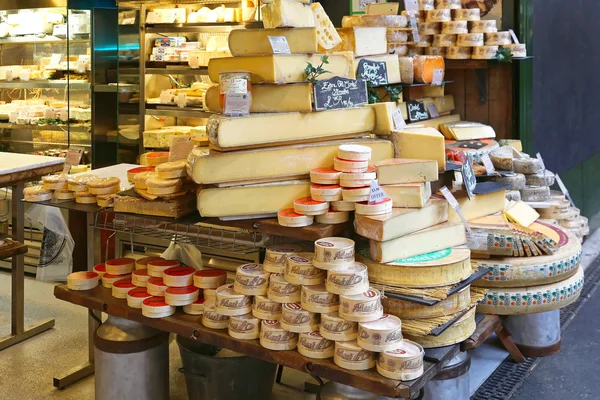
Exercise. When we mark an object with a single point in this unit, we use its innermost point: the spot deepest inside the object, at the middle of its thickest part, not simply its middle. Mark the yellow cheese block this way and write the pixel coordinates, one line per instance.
(435, 122)
(401, 221)
(384, 122)
(412, 195)
(465, 130)
(275, 163)
(283, 68)
(363, 41)
(433, 91)
(255, 42)
(479, 206)
(391, 63)
(522, 213)
(287, 13)
(267, 129)
(421, 144)
(406, 170)
(251, 200)
(269, 98)
(328, 36)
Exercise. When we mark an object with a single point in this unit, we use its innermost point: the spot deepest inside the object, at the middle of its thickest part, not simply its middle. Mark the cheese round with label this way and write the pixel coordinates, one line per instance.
(334, 253)
(439, 15)
(350, 166)
(351, 280)
(274, 337)
(470, 40)
(518, 50)
(363, 307)
(444, 39)
(379, 208)
(156, 307)
(229, 302)
(276, 256)
(210, 297)
(404, 363)
(265, 308)
(454, 27)
(317, 299)
(290, 218)
(426, 5)
(466, 14)
(484, 52)
(251, 280)
(325, 176)
(483, 26)
(156, 287)
(299, 270)
(179, 276)
(156, 268)
(349, 355)
(435, 51)
(181, 296)
(296, 319)
(326, 192)
(358, 179)
(451, 4)
(135, 297)
(313, 345)
(458, 53)
(108, 279)
(429, 28)
(308, 206)
(196, 308)
(209, 278)
(333, 217)
(83, 280)
(214, 320)
(498, 38)
(281, 291)
(244, 327)
(354, 195)
(334, 327)
(384, 334)
(354, 152)
(121, 287)
(140, 277)
(120, 266)
(342, 205)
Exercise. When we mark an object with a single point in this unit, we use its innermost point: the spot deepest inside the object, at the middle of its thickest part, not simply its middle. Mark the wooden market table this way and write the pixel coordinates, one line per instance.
(15, 170)
(189, 326)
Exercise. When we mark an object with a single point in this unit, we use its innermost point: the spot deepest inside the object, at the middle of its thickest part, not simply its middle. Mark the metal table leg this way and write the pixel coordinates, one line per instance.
(18, 331)
(82, 371)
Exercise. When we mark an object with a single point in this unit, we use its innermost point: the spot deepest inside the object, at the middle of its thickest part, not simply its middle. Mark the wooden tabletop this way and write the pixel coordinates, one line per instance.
(190, 326)
(15, 167)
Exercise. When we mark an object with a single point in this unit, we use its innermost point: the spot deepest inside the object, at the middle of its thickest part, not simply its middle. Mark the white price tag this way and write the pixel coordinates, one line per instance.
(9, 75)
(411, 6)
(376, 194)
(415, 26)
(514, 36)
(55, 60)
(60, 30)
(539, 157)
(471, 239)
(280, 45)
(433, 112)
(181, 100)
(165, 97)
(438, 77)
(25, 74)
(399, 122)
(237, 104)
(81, 66)
(564, 189)
(234, 86)
(487, 163)
(481, 238)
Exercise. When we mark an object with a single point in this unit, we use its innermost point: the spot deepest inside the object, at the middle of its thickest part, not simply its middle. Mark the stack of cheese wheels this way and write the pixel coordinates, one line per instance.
(313, 345)
(171, 170)
(85, 198)
(84, 280)
(139, 180)
(156, 307)
(120, 266)
(334, 327)
(140, 277)
(275, 257)
(56, 182)
(136, 297)
(209, 278)
(317, 299)
(37, 193)
(196, 308)
(108, 185)
(308, 206)
(363, 307)
(299, 270)
(325, 176)
(182, 295)
(122, 287)
(179, 276)
(351, 280)
(251, 280)
(349, 355)
(265, 308)
(213, 320)
(384, 334)
(131, 173)
(456, 333)
(158, 187)
(156, 287)
(79, 183)
(274, 337)
(296, 319)
(244, 327)
(142, 263)
(281, 291)
(230, 302)
(334, 253)
(100, 269)
(404, 363)
(108, 279)
(156, 268)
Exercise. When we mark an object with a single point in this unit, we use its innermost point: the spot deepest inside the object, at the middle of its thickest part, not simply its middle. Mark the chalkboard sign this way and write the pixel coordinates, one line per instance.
(416, 111)
(374, 72)
(469, 179)
(340, 92)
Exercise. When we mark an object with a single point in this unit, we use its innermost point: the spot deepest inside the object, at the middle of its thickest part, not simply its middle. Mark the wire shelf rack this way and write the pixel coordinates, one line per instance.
(234, 240)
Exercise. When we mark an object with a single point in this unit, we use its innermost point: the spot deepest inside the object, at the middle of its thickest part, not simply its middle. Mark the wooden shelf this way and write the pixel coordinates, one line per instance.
(12, 249)
(189, 326)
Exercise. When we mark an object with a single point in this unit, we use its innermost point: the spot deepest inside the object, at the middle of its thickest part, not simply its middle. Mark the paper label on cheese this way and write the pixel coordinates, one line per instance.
(412, 8)
(438, 78)
(487, 163)
(280, 45)
(376, 194)
(237, 104)
(514, 36)
(233, 86)
(399, 121)
(471, 239)
(433, 112)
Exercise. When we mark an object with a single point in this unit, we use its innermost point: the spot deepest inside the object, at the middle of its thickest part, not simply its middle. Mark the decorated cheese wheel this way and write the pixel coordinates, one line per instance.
(325, 176)
(333, 253)
(210, 297)
(83, 280)
(274, 337)
(466, 14)
(281, 291)
(308, 206)
(484, 52)
(181, 296)
(476, 148)
(349, 355)
(108, 279)
(404, 309)
(498, 38)
(142, 263)
(354, 195)
(349, 165)
(333, 217)
(439, 15)
(450, 4)
(317, 299)
(244, 327)
(429, 28)
(439, 268)
(100, 269)
(354, 152)
(251, 280)
(483, 26)
(156, 287)
(229, 302)
(326, 192)
(334, 327)
(436, 51)
(296, 319)
(404, 363)
(455, 27)
(384, 334)
(179, 276)
(378, 208)
(470, 40)
(364, 307)
(342, 205)
(209, 278)
(456, 333)
(120, 266)
(299, 270)
(136, 297)
(156, 307)
(290, 218)
(265, 308)
(358, 179)
(458, 53)
(156, 268)
(121, 287)
(444, 39)
(518, 50)
(213, 320)
(196, 308)
(313, 345)
(350, 280)
(140, 277)
(276, 256)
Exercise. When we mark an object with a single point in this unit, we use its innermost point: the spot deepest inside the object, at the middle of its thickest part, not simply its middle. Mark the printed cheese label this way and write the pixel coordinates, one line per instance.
(280, 45)
(376, 194)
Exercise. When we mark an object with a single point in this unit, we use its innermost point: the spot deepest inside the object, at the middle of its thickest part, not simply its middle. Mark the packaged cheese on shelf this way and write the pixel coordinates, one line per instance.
(484, 26)
(470, 40)
(458, 53)
(518, 50)
(287, 13)
(255, 42)
(440, 15)
(424, 67)
(295, 97)
(363, 41)
(497, 38)
(466, 14)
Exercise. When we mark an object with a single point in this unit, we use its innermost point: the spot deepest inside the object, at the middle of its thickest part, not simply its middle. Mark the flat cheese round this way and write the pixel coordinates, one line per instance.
(498, 38)
(276, 256)
(334, 327)
(384, 334)
(404, 363)
(251, 280)
(265, 308)
(349, 355)
(308, 206)
(379, 208)
(281, 291)
(317, 299)
(487, 52)
(179, 276)
(469, 39)
(313, 345)
(181, 296)
(354, 152)
(290, 218)
(274, 337)
(350, 166)
(213, 320)
(209, 278)
(296, 319)
(156, 287)
(351, 280)
(244, 327)
(458, 53)
(83, 280)
(466, 14)
(363, 307)
(342, 205)
(410, 310)
(458, 332)
(229, 302)
(325, 176)
(333, 217)
(136, 297)
(483, 26)
(300, 270)
(334, 253)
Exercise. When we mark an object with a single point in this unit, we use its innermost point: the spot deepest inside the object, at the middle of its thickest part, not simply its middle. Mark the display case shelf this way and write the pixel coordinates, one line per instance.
(173, 68)
(45, 84)
(64, 128)
(49, 143)
(201, 27)
(187, 112)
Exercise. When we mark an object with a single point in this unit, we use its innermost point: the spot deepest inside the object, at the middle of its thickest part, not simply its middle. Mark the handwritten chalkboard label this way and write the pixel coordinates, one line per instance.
(469, 178)
(340, 92)
(373, 71)
(416, 111)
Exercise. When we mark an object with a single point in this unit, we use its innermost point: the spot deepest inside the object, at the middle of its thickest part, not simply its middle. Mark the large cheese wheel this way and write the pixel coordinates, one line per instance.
(527, 271)
(534, 299)
(410, 310)
(424, 67)
(459, 331)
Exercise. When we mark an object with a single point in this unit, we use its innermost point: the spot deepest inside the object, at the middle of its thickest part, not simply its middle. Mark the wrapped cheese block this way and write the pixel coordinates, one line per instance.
(484, 52)
(458, 53)
(424, 66)
(451, 4)
(484, 26)
(389, 21)
(498, 38)
(470, 40)
(455, 27)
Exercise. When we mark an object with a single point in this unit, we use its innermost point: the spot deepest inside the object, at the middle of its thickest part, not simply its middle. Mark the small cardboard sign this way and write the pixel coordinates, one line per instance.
(471, 238)
(433, 112)
(280, 45)
(376, 194)
(399, 121)
(468, 175)
(340, 92)
(374, 72)
(487, 163)
(416, 111)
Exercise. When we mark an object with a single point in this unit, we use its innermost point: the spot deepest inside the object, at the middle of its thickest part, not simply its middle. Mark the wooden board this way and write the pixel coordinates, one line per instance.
(12, 248)
(28, 175)
(189, 326)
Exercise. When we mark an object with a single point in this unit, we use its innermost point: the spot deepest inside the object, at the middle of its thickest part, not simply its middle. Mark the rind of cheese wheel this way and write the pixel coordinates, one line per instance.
(37, 193)
(251, 199)
(159, 186)
(455, 27)
(484, 52)
(85, 198)
(287, 13)
(283, 68)
(389, 21)
(518, 50)
(255, 42)
(327, 35)
(399, 49)
(392, 66)
(79, 183)
(498, 38)
(265, 129)
(458, 53)
(384, 122)
(396, 35)
(407, 71)
(456, 333)
(440, 15)
(139, 180)
(104, 182)
(424, 67)
(269, 98)
(444, 40)
(408, 310)
(429, 28)
(171, 170)
(363, 41)
(470, 40)
(466, 14)
(483, 26)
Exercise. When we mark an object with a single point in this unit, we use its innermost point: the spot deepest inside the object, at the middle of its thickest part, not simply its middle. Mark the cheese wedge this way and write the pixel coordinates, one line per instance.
(384, 122)
(275, 163)
(406, 170)
(363, 41)
(401, 221)
(269, 98)
(435, 122)
(424, 67)
(391, 63)
(433, 91)
(268, 129)
(443, 104)
(255, 42)
(522, 213)
(464, 130)
(436, 238)
(283, 68)
(251, 200)
(479, 206)
(412, 195)
(327, 35)
(287, 13)
(420, 144)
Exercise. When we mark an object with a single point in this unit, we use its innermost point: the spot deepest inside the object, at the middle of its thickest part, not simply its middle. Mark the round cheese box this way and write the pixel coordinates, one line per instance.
(121, 287)
(385, 334)
(229, 302)
(379, 208)
(313, 345)
(251, 280)
(333, 217)
(299, 270)
(354, 152)
(156, 307)
(281, 291)
(334, 253)
(100, 269)
(156, 287)
(140, 277)
(348, 281)
(142, 263)
(354, 195)
(274, 337)
(325, 176)
(308, 206)
(333, 327)
(318, 300)
(209, 278)
(364, 307)
(156, 268)
(210, 297)
(290, 218)
(265, 308)
(108, 279)
(120, 266)
(178, 276)
(326, 192)
(244, 327)
(276, 256)
(181, 296)
(213, 320)
(350, 166)
(135, 297)
(404, 363)
(196, 308)
(296, 319)
(358, 179)
(342, 205)
(349, 355)
(83, 280)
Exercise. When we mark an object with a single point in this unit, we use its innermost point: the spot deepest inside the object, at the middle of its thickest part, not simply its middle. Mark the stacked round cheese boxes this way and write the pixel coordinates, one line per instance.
(84, 189)
(447, 29)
